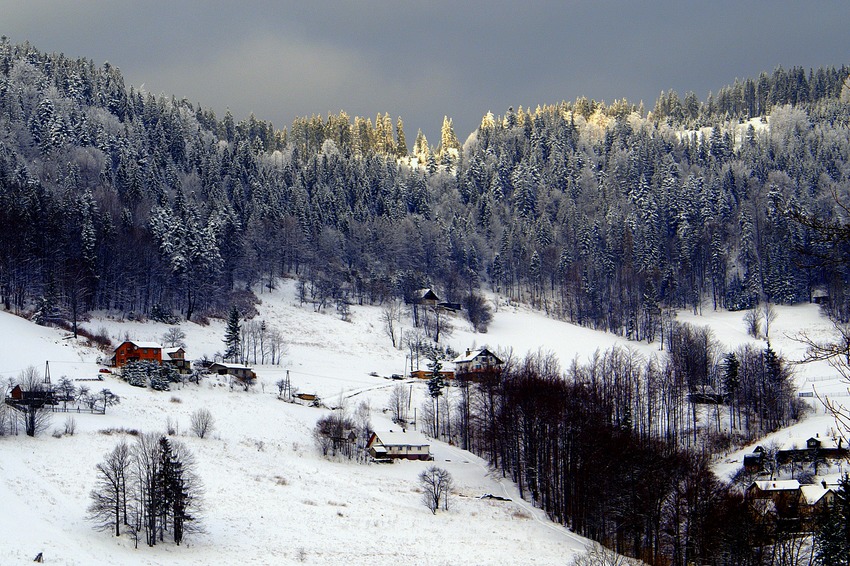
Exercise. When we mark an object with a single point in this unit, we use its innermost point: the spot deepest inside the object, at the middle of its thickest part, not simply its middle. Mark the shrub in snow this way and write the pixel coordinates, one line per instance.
(202, 422)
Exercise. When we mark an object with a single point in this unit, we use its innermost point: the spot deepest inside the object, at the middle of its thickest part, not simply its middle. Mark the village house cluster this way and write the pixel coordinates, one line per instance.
(137, 351)
(789, 500)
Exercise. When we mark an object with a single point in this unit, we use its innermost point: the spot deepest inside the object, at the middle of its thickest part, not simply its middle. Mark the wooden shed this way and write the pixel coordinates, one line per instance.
(243, 373)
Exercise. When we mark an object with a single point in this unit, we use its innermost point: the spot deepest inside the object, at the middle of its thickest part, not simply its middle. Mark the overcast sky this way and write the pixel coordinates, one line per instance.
(423, 60)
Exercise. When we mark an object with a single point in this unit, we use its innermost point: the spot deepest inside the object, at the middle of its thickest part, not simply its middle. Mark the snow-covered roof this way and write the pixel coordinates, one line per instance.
(472, 354)
(801, 443)
(426, 293)
(143, 344)
(777, 485)
(813, 493)
(227, 365)
(401, 438)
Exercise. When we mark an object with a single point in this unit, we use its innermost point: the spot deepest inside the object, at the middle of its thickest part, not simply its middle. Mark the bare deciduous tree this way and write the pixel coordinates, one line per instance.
(478, 311)
(752, 321)
(836, 353)
(333, 435)
(108, 509)
(598, 555)
(174, 337)
(768, 316)
(399, 402)
(437, 484)
(391, 317)
(33, 410)
(202, 422)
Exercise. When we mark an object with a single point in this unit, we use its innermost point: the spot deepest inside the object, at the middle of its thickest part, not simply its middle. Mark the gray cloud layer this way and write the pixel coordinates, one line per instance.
(429, 59)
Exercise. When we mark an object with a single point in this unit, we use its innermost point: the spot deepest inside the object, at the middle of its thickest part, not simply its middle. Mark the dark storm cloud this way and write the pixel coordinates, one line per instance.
(429, 59)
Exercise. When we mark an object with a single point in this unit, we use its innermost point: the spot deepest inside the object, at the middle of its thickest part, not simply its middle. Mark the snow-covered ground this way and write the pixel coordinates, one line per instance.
(270, 498)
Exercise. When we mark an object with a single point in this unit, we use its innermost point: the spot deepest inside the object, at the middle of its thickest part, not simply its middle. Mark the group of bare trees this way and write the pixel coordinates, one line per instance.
(687, 396)
(574, 452)
(67, 392)
(607, 447)
(149, 489)
(261, 343)
(344, 434)
(33, 411)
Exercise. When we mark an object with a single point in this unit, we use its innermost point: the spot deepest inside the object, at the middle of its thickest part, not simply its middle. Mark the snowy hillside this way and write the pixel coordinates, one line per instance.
(269, 496)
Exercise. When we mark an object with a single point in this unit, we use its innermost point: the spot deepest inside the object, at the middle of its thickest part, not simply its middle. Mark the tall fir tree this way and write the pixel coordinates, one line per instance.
(832, 533)
(232, 338)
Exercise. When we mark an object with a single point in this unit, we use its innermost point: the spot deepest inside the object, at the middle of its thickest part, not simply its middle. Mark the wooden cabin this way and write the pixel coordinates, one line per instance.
(132, 351)
(20, 399)
(427, 374)
(754, 463)
(176, 358)
(815, 499)
(820, 296)
(425, 297)
(243, 373)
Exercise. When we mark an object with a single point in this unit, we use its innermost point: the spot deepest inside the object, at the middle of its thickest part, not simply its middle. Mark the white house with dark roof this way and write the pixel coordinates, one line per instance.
(409, 445)
(477, 361)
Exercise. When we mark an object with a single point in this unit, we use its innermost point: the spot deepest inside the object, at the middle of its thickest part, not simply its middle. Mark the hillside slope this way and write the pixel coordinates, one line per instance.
(270, 498)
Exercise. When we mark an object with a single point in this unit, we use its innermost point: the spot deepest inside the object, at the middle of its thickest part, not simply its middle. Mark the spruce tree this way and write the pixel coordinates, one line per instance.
(731, 382)
(401, 142)
(232, 339)
(436, 384)
(832, 533)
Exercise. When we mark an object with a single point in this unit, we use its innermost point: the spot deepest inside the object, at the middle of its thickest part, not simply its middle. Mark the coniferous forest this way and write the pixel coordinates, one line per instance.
(603, 215)
(611, 216)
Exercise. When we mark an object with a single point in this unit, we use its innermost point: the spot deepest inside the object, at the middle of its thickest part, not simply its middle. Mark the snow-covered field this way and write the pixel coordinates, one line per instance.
(270, 498)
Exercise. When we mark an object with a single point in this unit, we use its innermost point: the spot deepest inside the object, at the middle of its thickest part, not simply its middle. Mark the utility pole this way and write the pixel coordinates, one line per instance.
(287, 387)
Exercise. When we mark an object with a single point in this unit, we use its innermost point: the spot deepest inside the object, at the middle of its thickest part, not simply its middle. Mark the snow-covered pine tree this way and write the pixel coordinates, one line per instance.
(232, 337)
